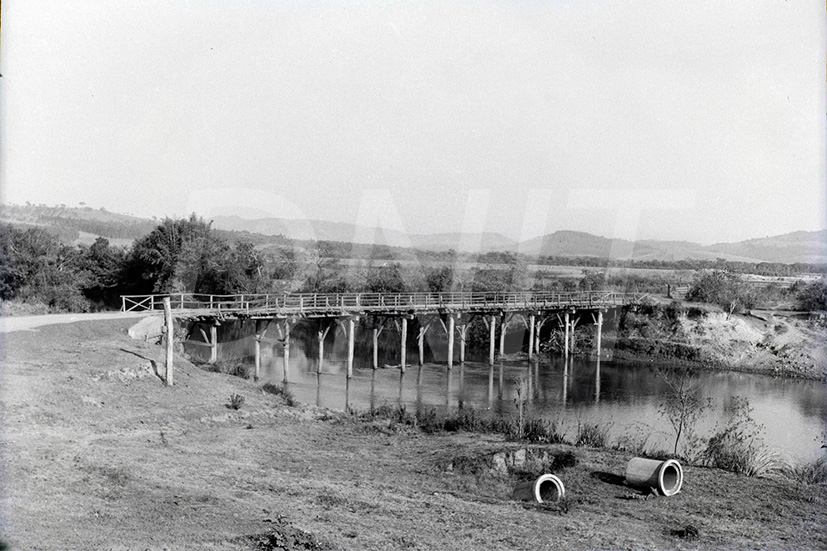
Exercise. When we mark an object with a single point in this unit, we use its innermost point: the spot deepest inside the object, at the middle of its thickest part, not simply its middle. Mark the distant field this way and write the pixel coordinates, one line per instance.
(555, 270)
(85, 238)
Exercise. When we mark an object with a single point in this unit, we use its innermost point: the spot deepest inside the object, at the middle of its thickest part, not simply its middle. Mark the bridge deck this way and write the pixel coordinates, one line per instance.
(338, 304)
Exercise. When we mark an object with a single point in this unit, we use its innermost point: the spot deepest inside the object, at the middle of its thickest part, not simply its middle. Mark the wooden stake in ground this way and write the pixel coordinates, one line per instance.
(168, 322)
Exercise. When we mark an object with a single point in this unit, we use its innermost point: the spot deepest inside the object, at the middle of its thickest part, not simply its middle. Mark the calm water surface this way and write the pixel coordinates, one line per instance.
(625, 396)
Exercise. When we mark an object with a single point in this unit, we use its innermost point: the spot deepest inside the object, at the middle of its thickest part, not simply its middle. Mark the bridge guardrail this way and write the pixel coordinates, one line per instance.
(329, 302)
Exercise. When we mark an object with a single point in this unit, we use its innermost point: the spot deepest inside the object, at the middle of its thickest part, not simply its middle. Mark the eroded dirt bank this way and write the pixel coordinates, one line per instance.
(98, 454)
(767, 342)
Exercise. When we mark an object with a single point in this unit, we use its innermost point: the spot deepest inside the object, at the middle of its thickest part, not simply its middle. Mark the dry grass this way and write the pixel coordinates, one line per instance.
(809, 472)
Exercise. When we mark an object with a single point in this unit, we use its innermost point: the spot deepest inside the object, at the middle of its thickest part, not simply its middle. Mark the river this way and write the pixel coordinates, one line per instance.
(625, 396)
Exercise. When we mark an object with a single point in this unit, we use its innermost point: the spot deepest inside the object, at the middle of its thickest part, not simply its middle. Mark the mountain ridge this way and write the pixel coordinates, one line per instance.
(790, 248)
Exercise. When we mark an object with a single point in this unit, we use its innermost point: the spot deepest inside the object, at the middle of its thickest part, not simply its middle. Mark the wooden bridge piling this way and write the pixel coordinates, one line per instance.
(284, 329)
(213, 343)
(168, 331)
(403, 345)
(420, 338)
(462, 330)
(450, 342)
(492, 328)
(503, 331)
(351, 330)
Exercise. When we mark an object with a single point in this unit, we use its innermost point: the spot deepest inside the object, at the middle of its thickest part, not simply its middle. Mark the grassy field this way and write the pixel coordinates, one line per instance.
(98, 454)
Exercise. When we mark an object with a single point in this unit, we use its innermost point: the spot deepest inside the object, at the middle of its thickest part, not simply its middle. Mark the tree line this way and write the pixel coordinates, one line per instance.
(188, 255)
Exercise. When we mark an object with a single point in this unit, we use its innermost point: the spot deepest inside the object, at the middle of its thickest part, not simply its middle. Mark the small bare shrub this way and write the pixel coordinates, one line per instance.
(281, 390)
(236, 401)
(737, 447)
(810, 472)
(636, 440)
(592, 434)
(683, 406)
(542, 430)
(234, 368)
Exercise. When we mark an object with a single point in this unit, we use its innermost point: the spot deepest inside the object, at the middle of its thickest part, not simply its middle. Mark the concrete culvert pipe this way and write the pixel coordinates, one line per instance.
(547, 488)
(664, 476)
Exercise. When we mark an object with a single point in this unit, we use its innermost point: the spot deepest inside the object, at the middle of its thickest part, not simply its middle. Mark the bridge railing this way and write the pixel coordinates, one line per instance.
(330, 302)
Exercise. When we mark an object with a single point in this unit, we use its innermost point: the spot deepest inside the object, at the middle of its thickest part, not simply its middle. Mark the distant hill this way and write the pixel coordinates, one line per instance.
(800, 246)
(79, 224)
(803, 247)
(341, 231)
(84, 224)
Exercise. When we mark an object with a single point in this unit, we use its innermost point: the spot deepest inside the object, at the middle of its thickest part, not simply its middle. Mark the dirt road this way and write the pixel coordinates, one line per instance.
(27, 323)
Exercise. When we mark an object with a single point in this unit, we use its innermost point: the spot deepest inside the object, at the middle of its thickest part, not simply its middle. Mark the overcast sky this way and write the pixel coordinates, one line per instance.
(700, 121)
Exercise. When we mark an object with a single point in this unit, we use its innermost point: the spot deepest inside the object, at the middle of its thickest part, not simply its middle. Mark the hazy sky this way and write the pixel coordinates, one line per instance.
(702, 121)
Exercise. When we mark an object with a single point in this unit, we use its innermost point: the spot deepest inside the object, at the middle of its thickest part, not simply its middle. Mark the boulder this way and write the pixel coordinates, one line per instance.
(148, 329)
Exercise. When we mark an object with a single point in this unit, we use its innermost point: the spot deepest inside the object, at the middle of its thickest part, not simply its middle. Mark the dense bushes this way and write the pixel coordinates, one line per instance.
(812, 296)
(36, 268)
(725, 289)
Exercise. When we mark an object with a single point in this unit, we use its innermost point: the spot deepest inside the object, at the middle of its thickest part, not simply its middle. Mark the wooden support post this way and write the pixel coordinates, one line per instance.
(421, 341)
(286, 359)
(351, 330)
(599, 331)
(320, 336)
(450, 341)
(540, 323)
(573, 325)
(566, 343)
(213, 343)
(375, 348)
(531, 336)
(463, 335)
(403, 352)
(503, 329)
(169, 334)
(257, 352)
(492, 328)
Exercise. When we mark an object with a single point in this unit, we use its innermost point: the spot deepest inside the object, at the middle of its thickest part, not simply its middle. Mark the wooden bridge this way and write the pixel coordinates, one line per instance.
(339, 304)
(453, 312)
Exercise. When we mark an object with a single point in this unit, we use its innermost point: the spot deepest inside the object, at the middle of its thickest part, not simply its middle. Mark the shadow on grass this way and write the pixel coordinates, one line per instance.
(152, 362)
(609, 478)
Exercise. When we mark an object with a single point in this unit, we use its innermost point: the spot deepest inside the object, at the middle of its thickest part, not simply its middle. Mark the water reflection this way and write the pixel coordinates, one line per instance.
(625, 395)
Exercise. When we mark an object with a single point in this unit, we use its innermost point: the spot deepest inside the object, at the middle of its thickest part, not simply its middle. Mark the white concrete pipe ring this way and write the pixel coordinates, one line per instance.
(546, 480)
(670, 477)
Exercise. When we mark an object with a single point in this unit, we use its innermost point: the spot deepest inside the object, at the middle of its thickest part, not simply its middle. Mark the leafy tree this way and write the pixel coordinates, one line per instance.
(491, 279)
(385, 279)
(725, 289)
(178, 255)
(592, 281)
(100, 267)
(439, 279)
(813, 296)
(35, 267)
(282, 263)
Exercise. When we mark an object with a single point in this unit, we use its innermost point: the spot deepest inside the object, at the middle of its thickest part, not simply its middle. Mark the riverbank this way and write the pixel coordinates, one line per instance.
(98, 453)
(785, 344)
